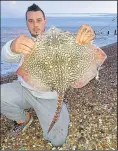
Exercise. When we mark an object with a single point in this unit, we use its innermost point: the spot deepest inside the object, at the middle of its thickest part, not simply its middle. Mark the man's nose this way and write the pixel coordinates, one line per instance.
(35, 24)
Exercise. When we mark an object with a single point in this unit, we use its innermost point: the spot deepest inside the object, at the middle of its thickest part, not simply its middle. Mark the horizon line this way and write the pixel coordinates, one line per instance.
(67, 15)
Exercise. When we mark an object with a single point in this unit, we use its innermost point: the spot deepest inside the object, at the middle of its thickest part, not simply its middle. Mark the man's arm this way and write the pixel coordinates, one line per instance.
(7, 55)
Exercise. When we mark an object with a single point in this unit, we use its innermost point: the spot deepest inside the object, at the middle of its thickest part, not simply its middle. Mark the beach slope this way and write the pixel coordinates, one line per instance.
(93, 115)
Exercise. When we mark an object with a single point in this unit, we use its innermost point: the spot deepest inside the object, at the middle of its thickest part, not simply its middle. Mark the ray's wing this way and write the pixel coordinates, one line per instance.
(99, 57)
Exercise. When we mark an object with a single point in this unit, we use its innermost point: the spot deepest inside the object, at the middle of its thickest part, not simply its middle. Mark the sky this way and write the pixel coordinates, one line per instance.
(17, 9)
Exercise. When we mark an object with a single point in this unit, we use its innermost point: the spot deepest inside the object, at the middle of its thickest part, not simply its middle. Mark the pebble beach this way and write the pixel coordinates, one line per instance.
(93, 115)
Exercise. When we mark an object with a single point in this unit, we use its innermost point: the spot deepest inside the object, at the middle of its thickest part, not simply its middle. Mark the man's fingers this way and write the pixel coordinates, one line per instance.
(90, 38)
(25, 39)
(22, 44)
(28, 44)
(79, 32)
(24, 52)
(83, 34)
(87, 38)
(26, 49)
(30, 41)
(87, 41)
(83, 28)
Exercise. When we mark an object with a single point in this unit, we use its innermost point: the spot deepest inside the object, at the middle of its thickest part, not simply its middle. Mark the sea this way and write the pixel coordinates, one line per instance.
(104, 25)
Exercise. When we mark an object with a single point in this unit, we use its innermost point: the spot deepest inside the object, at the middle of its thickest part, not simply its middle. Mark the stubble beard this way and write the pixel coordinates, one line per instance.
(37, 34)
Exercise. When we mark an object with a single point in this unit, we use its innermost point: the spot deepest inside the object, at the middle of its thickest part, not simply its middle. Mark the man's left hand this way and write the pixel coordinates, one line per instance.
(85, 34)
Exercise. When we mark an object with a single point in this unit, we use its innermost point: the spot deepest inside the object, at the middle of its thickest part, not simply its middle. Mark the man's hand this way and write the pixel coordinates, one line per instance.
(22, 45)
(85, 34)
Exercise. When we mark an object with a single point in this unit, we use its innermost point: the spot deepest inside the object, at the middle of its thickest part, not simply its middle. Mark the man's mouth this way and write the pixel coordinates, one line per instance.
(36, 30)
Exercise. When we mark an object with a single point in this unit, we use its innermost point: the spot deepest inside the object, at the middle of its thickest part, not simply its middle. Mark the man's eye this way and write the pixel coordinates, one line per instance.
(39, 21)
(30, 21)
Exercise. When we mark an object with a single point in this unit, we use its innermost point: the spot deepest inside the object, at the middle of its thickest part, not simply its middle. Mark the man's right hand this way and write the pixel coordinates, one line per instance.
(22, 45)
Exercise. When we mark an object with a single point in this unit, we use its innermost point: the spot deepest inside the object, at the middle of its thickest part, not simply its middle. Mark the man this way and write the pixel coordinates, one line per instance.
(17, 96)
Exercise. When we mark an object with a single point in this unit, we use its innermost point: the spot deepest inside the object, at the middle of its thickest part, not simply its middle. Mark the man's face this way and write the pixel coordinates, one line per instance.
(35, 22)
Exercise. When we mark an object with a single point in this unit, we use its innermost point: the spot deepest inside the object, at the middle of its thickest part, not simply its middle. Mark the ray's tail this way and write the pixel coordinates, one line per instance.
(57, 113)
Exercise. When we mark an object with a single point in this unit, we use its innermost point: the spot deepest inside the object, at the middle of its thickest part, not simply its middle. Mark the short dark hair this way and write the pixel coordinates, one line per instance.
(35, 8)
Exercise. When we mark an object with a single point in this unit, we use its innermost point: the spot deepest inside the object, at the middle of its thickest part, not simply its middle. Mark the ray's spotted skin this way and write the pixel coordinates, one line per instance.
(57, 62)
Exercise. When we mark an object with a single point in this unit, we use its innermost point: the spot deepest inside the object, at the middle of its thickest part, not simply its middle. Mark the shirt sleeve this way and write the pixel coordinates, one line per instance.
(7, 55)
